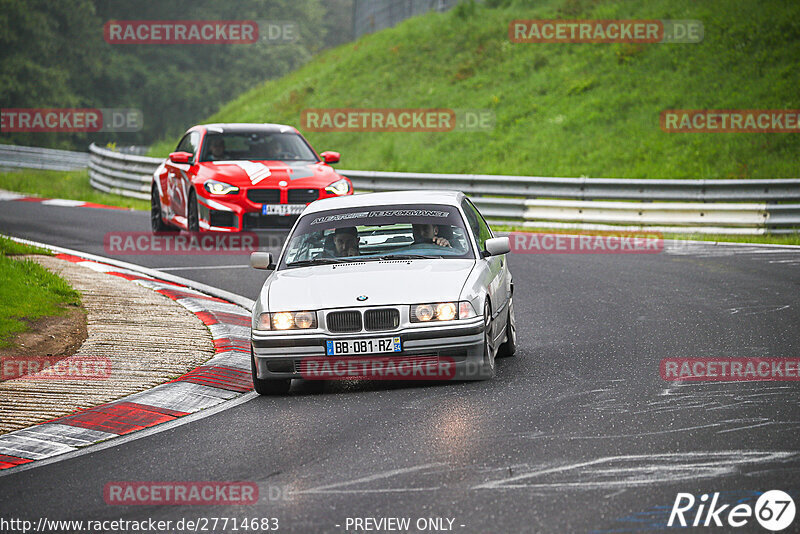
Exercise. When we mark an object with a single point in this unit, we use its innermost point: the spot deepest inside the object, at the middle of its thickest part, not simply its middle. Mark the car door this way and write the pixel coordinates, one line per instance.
(179, 179)
(497, 269)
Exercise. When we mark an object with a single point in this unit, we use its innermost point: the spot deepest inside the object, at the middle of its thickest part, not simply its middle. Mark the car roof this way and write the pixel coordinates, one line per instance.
(242, 127)
(406, 198)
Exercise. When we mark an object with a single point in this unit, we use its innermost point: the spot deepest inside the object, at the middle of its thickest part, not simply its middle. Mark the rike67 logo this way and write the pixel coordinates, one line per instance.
(774, 510)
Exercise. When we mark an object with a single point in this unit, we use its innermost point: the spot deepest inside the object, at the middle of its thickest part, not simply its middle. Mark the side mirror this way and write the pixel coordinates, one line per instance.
(498, 246)
(180, 157)
(330, 156)
(262, 260)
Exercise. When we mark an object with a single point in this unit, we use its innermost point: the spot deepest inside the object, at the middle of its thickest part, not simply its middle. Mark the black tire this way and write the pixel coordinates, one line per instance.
(268, 387)
(488, 353)
(157, 224)
(192, 217)
(509, 348)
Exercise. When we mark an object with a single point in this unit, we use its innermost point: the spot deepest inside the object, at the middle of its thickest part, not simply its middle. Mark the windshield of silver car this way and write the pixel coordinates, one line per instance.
(377, 233)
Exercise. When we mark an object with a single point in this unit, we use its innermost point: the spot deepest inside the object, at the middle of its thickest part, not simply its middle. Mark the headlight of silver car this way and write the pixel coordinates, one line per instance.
(220, 188)
(301, 320)
(339, 187)
(441, 311)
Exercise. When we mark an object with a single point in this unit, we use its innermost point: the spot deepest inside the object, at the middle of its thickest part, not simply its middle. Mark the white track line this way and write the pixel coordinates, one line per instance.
(201, 268)
(126, 438)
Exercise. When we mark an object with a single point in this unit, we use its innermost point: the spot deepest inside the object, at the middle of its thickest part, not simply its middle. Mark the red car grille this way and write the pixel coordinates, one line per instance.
(303, 196)
(264, 196)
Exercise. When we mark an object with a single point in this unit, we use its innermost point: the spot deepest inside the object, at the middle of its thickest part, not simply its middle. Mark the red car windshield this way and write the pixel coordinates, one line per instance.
(272, 146)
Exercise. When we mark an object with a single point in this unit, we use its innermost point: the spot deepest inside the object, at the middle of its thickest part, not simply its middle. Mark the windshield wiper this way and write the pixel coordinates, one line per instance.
(317, 261)
(408, 257)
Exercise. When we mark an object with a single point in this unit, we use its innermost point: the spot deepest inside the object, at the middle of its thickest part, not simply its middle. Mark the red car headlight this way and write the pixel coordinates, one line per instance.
(220, 188)
(339, 187)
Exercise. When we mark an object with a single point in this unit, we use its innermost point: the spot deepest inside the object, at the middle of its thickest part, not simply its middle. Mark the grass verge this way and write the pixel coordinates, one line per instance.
(70, 185)
(28, 291)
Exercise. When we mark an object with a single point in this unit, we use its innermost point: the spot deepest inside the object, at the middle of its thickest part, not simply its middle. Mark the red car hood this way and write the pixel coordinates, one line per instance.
(267, 173)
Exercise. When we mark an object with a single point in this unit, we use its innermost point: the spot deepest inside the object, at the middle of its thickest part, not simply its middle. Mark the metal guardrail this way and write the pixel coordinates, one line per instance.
(681, 206)
(30, 157)
(584, 188)
(121, 174)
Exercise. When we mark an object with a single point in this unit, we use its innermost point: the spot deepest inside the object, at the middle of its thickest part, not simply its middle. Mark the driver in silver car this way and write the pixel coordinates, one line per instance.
(345, 239)
(343, 242)
(429, 233)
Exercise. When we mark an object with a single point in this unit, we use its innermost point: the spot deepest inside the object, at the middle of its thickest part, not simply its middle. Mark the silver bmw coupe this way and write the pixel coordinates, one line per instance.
(406, 285)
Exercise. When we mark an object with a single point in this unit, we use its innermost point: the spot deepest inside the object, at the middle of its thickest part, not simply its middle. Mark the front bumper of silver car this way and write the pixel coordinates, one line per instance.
(456, 346)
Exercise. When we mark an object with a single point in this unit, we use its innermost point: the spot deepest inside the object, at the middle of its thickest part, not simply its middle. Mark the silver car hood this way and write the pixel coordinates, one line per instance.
(384, 283)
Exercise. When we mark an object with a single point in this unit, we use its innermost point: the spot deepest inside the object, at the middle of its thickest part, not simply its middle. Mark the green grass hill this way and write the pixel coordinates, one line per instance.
(561, 109)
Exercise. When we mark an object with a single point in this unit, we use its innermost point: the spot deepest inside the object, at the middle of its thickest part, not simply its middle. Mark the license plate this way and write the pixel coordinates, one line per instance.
(353, 347)
(282, 209)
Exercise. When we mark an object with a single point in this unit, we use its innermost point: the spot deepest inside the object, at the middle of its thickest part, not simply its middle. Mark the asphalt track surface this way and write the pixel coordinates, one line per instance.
(578, 433)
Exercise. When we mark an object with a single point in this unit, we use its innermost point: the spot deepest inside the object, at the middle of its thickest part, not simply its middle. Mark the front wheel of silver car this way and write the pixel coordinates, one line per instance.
(268, 387)
(488, 351)
(509, 347)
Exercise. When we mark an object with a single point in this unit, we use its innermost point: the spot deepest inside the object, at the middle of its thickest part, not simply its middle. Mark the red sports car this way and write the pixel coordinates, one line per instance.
(236, 177)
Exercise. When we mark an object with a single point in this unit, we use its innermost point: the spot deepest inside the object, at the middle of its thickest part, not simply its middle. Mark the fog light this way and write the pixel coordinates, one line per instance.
(281, 366)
